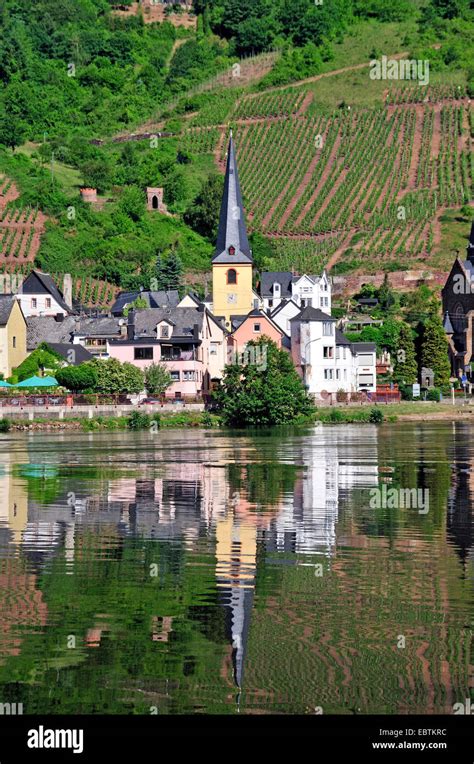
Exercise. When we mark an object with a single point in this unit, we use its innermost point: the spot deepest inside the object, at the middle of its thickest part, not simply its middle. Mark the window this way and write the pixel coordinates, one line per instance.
(327, 329)
(321, 302)
(175, 376)
(344, 352)
(328, 352)
(213, 350)
(345, 375)
(14, 342)
(231, 250)
(143, 354)
(165, 332)
(338, 374)
(328, 373)
(48, 302)
(338, 353)
(256, 328)
(34, 302)
(306, 302)
(270, 303)
(189, 376)
(232, 276)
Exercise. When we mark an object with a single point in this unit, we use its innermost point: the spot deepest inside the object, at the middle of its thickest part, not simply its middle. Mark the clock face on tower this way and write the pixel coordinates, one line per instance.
(231, 298)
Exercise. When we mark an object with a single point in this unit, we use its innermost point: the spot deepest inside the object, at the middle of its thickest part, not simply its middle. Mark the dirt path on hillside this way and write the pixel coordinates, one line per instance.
(317, 77)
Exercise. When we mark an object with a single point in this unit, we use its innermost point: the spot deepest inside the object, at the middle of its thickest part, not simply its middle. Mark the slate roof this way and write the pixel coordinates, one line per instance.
(183, 320)
(268, 278)
(232, 230)
(363, 347)
(49, 287)
(46, 328)
(102, 326)
(81, 355)
(312, 314)
(282, 305)
(448, 327)
(6, 305)
(341, 338)
(158, 299)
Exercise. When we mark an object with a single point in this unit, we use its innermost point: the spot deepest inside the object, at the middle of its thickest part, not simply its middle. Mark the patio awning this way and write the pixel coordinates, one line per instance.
(4, 384)
(38, 382)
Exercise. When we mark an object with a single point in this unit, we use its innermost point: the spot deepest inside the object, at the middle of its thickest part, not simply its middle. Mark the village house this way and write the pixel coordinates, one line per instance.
(326, 360)
(189, 341)
(12, 334)
(39, 296)
(253, 326)
(312, 291)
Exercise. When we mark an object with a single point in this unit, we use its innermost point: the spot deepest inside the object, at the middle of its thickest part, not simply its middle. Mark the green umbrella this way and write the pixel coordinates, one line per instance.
(38, 382)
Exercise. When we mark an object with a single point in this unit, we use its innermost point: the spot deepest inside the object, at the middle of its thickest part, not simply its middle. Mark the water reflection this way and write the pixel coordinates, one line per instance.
(200, 571)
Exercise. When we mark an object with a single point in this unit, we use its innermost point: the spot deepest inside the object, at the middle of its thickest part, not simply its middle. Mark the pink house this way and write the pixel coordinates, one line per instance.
(188, 340)
(253, 326)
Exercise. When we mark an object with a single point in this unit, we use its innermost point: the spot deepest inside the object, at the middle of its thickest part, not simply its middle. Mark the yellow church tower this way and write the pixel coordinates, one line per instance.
(232, 261)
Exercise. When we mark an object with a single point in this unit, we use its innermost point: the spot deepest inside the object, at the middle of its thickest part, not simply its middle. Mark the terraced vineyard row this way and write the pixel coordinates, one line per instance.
(275, 104)
(429, 94)
(92, 293)
(20, 229)
(382, 174)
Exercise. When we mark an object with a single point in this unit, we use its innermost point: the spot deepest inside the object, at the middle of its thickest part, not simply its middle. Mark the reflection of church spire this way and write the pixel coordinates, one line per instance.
(236, 552)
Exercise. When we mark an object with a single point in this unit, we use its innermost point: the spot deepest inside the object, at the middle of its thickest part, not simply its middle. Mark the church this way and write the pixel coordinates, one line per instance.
(232, 262)
(458, 311)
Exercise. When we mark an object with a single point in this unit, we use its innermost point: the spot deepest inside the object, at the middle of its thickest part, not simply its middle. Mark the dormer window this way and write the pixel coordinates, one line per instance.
(165, 332)
(276, 289)
(231, 250)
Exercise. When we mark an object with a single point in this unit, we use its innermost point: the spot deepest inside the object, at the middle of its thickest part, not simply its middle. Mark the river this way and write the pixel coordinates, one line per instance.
(322, 570)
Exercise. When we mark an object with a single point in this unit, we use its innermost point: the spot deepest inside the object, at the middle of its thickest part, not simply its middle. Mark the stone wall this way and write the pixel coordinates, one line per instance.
(403, 281)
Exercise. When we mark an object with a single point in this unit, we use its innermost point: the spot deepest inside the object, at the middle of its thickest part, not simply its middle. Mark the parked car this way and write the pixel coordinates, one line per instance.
(151, 401)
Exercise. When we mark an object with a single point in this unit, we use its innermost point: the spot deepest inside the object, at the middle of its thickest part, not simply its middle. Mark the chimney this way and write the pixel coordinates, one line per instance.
(67, 290)
(131, 325)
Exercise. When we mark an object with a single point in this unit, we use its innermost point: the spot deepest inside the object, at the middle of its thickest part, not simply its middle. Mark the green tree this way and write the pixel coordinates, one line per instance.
(157, 379)
(203, 214)
(78, 378)
(41, 359)
(132, 203)
(115, 377)
(171, 270)
(263, 391)
(405, 366)
(97, 173)
(434, 350)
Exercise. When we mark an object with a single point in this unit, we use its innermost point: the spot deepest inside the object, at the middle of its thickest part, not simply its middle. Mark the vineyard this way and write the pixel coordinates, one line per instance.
(20, 229)
(362, 188)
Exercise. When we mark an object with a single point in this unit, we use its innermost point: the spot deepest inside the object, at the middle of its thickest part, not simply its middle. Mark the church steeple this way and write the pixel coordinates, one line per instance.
(232, 241)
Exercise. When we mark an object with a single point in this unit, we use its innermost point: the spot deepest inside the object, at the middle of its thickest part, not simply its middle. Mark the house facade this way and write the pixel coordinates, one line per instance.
(39, 296)
(326, 360)
(305, 291)
(12, 334)
(189, 341)
(252, 327)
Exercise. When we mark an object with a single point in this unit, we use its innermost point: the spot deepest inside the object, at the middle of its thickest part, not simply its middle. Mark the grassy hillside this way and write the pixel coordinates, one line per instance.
(338, 169)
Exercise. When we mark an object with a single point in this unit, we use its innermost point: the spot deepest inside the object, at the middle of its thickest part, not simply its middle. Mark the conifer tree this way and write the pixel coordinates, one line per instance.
(434, 350)
(405, 366)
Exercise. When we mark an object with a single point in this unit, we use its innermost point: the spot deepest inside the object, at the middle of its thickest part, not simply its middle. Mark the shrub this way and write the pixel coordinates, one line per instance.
(5, 425)
(138, 421)
(375, 416)
(336, 416)
(434, 394)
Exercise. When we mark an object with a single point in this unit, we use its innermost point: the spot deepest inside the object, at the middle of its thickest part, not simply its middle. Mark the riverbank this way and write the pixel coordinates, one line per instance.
(139, 420)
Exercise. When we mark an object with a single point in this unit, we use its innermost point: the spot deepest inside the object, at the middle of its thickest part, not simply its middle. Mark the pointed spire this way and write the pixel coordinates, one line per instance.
(448, 327)
(232, 241)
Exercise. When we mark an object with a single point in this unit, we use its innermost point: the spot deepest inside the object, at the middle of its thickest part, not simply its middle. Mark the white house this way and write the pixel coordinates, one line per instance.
(39, 296)
(282, 315)
(326, 360)
(312, 291)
